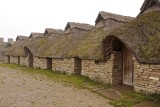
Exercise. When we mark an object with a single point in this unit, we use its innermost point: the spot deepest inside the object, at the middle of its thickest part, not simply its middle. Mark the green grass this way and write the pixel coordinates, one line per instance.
(129, 98)
(132, 98)
(75, 80)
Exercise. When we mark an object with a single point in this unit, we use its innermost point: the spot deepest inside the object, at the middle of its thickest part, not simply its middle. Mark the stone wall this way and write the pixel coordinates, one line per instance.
(63, 65)
(39, 62)
(107, 72)
(6, 60)
(2, 58)
(24, 61)
(146, 77)
(13, 59)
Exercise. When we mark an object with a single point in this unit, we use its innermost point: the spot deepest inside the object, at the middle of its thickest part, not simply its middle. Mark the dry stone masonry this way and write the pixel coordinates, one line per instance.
(105, 52)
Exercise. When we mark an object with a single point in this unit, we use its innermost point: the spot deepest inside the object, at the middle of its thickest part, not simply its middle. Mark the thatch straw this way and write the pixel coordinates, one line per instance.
(52, 31)
(20, 37)
(36, 35)
(56, 45)
(81, 26)
(142, 37)
(106, 15)
(17, 48)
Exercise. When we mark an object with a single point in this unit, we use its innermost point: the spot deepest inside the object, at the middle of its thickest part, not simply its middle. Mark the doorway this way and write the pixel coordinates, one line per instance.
(18, 60)
(30, 61)
(127, 67)
(49, 63)
(8, 59)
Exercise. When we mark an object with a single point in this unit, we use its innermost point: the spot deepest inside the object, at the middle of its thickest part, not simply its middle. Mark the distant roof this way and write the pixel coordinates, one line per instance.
(148, 4)
(20, 37)
(54, 31)
(82, 26)
(16, 49)
(35, 35)
(106, 15)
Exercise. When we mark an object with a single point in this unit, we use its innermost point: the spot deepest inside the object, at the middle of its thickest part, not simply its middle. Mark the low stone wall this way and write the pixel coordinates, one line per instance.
(63, 65)
(39, 62)
(6, 59)
(146, 77)
(24, 61)
(13, 59)
(2, 58)
(107, 72)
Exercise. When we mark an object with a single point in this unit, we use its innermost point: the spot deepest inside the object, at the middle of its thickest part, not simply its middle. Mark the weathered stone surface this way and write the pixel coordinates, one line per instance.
(147, 78)
(24, 61)
(39, 62)
(6, 59)
(107, 72)
(14, 59)
(63, 65)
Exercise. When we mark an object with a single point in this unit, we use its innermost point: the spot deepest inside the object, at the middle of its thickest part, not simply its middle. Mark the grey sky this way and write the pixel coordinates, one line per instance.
(21, 17)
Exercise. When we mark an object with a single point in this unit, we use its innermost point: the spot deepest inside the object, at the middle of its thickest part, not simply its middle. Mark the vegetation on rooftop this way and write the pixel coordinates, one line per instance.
(142, 36)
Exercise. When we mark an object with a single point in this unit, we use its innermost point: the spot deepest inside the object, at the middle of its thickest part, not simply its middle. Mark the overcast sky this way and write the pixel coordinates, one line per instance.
(21, 17)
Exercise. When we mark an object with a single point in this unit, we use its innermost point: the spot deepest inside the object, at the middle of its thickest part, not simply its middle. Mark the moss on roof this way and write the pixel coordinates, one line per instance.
(56, 46)
(90, 47)
(142, 36)
(17, 48)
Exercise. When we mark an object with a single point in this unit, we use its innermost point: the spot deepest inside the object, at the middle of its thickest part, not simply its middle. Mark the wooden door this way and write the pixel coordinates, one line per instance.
(127, 67)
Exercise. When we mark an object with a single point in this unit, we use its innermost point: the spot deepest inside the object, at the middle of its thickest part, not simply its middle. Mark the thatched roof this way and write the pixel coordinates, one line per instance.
(90, 47)
(148, 4)
(20, 37)
(36, 35)
(56, 46)
(3, 47)
(17, 48)
(106, 15)
(52, 31)
(142, 37)
(82, 26)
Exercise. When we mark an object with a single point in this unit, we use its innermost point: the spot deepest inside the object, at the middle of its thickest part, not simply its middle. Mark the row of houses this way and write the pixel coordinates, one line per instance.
(117, 50)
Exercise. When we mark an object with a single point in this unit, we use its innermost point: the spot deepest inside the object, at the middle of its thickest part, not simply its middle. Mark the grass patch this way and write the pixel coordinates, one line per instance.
(132, 98)
(129, 98)
(75, 80)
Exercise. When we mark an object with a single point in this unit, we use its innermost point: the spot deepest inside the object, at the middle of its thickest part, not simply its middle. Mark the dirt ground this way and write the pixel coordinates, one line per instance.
(18, 89)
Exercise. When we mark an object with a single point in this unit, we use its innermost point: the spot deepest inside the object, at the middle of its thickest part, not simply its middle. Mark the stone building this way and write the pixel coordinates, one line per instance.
(117, 50)
(138, 42)
(3, 47)
(56, 43)
(127, 54)
(15, 53)
(90, 50)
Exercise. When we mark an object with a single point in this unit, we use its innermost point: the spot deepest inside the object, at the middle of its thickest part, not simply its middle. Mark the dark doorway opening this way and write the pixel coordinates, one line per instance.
(30, 56)
(77, 66)
(18, 60)
(8, 59)
(49, 63)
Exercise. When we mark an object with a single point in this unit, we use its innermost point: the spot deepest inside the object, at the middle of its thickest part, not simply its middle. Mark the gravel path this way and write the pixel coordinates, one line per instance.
(18, 89)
